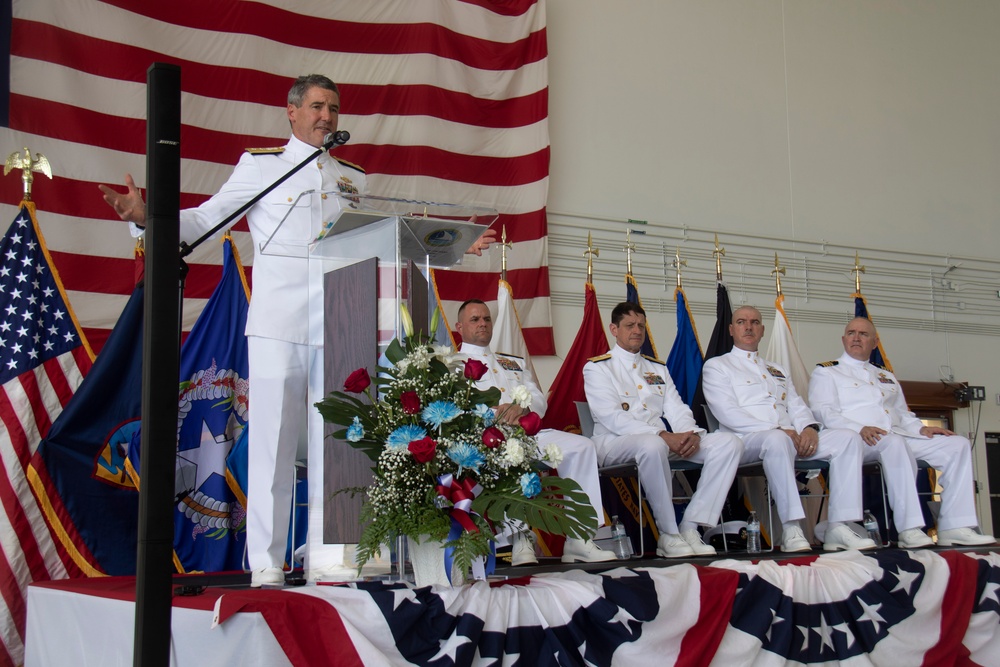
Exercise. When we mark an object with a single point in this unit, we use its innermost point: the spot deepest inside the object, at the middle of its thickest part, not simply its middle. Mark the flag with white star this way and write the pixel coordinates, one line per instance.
(210, 517)
(43, 358)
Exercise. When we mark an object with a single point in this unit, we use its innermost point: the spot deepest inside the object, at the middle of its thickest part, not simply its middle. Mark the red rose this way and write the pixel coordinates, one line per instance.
(531, 423)
(423, 449)
(493, 437)
(357, 381)
(475, 369)
(410, 402)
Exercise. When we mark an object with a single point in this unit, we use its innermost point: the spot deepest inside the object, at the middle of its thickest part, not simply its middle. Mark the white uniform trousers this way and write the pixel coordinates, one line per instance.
(951, 456)
(579, 464)
(840, 447)
(281, 401)
(719, 454)
(899, 469)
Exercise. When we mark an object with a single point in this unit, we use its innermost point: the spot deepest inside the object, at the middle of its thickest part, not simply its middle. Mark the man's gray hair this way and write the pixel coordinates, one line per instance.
(304, 83)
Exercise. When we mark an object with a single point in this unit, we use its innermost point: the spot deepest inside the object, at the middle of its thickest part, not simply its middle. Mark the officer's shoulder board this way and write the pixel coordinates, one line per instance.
(882, 367)
(602, 357)
(355, 167)
(277, 150)
(828, 363)
(654, 360)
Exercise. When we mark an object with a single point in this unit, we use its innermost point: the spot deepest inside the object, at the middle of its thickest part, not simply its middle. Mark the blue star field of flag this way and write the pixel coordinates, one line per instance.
(35, 323)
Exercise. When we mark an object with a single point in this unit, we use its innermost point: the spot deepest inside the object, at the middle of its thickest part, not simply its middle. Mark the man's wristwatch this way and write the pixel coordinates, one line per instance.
(814, 427)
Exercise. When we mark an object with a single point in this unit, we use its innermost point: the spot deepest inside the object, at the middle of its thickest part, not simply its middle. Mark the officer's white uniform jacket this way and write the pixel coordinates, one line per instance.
(747, 394)
(506, 372)
(283, 294)
(629, 393)
(852, 394)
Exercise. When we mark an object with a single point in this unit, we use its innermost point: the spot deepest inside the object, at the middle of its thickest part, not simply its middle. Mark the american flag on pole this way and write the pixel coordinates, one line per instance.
(446, 100)
(43, 358)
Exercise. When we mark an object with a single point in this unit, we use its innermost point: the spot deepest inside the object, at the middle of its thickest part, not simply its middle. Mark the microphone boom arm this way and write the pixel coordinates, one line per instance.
(329, 141)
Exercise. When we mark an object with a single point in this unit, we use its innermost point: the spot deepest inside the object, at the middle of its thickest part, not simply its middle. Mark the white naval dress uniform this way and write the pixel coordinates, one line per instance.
(507, 372)
(853, 394)
(628, 395)
(284, 339)
(754, 399)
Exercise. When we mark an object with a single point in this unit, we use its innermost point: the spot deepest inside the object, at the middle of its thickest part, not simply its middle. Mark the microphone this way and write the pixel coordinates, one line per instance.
(338, 138)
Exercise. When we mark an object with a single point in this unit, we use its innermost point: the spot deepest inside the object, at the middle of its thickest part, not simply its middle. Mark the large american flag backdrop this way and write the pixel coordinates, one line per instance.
(445, 100)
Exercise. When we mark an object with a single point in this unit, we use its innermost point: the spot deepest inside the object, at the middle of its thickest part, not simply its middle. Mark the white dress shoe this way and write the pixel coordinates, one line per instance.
(698, 546)
(914, 538)
(793, 540)
(523, 551)
(267, 576)
(842, 537)
(673, 546)
(585, 551)
(963, 537)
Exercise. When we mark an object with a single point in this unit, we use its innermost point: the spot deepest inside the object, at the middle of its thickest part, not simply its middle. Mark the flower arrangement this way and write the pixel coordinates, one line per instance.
(446, 467)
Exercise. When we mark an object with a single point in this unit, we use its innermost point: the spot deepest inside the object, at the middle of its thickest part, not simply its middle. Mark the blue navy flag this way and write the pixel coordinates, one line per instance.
(632, 296)
(878, 357)
(210, 519)
(684, 361)
(84, 454)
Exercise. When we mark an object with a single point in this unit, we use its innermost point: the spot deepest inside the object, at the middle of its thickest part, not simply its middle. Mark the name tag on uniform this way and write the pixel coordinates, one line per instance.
(509, 364)
(653, 378)
(885, 379)
(775, 372)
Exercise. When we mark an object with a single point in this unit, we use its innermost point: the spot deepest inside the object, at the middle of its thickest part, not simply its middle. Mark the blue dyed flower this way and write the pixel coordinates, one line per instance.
(401, 438)
(355, 431)
(466, 456)
(440, 412)
(531, 485)
(485, 413)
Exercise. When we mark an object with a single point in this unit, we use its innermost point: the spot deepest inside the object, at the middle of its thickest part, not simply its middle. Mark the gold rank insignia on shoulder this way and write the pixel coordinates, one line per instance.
(603, 357)
(654, 360)
(509, 363)
(348, 164)
(653, 378)
(277, 150)
(885, 379)
(775, 372)
(828, 363)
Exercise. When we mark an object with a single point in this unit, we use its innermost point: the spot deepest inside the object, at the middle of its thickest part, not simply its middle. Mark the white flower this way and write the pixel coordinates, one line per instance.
(513, 451)
(420, 358)
(521, 396)
(403, 364)
(553, 454)
(449, 357)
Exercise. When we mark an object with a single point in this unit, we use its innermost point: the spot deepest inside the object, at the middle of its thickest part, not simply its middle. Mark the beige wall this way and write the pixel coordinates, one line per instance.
(811, 128)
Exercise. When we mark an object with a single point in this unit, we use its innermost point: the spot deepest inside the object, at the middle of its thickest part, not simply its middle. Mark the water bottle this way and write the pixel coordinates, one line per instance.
(753, 534)
(871, 525)
(621, 541)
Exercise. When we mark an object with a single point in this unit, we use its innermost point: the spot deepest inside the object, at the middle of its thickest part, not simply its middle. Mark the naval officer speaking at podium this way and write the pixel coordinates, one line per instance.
(283, 353)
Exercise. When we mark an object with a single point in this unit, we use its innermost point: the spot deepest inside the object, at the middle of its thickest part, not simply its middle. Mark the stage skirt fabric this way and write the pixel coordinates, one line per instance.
(891, 607)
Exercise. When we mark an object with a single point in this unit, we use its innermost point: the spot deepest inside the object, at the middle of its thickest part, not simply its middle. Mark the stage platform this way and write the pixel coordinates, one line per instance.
(888, 607)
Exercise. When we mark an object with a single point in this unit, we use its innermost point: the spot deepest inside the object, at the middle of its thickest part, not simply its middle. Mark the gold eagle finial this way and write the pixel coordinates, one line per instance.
(28, 166)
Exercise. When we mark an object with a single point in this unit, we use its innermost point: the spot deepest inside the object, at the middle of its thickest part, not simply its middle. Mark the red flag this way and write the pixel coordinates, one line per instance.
(567, 388)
